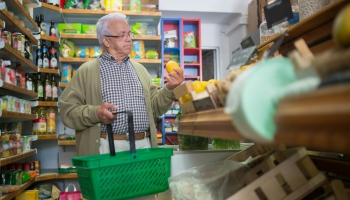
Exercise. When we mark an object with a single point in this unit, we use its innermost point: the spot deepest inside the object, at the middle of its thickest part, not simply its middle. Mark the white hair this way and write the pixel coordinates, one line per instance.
(102, 24)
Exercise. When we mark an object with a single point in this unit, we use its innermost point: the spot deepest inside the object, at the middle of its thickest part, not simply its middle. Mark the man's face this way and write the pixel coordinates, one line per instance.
(121, 44)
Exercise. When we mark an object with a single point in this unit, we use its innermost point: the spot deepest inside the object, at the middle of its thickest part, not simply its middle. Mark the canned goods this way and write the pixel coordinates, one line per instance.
(6, 37)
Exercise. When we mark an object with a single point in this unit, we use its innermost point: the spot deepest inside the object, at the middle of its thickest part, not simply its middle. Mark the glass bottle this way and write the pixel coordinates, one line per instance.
(53, 57)
(46, 61)
(39, 57)
(40, 88)
(47, 89)
(42, 25)
(41, 121)
(54, 89)
(35, 86)
(35, 121)
(50, 121)
(29, 82)
(52, 29)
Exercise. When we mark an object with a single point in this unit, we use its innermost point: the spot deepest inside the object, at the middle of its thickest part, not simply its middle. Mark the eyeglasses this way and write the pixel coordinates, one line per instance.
(130, 34)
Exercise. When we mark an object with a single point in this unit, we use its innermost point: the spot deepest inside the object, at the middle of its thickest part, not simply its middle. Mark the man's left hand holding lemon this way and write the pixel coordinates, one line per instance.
(174, 78)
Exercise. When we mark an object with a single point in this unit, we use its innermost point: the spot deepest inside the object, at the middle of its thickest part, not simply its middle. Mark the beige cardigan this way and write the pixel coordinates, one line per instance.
(82, 96)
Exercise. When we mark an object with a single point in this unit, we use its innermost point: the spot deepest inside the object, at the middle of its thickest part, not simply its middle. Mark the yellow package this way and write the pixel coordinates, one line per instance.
(95, 51)
(82, 52)
(116, 5)
(138, 49)
(66, 73)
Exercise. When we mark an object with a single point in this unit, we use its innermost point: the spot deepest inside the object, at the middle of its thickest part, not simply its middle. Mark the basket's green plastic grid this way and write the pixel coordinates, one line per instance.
(125, 175)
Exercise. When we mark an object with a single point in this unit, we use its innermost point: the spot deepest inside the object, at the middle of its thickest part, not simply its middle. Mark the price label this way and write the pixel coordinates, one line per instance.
(278, 12)
(241, 57)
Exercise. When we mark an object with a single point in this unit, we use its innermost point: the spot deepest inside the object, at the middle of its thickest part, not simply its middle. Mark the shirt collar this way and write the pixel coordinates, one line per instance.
(109, 57)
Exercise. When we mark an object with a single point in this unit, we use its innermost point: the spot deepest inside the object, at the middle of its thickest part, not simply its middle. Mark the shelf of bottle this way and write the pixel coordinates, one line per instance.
(82, 60)
(66, 142)
(26, 65)
(17, 91)
(48, 71)
(9, 116)
(12, 195)
(47, 137)
(51, 7)
(94, 36)
(49, 38)
(12, 24)
(22, 13)
(15, 158)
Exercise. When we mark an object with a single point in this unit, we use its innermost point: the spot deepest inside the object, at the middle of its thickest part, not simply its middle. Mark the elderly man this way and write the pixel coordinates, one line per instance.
(114, 82)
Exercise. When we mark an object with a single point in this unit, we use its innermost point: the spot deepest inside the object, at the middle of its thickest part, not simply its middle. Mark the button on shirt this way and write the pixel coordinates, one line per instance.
(121, 86)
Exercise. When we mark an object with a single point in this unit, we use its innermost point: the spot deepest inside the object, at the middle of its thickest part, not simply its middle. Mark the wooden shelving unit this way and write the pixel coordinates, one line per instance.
(22, 11)
(47, 103)
(4, 15)
(94, 36)
(66, 142)
(312, 29)
(9, 89)
(11, 195)
(82, 60)
(51, 7)
(27, 65)
(318, 120)
(11, 159)
(46, 176)
(48, 71)
(47, 137)
(49, 38)
(67, 176)
(102, 12)
(8, 116)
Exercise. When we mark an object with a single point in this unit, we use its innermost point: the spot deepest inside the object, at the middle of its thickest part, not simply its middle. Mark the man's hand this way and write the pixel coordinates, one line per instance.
(104, 113)
(175, 79)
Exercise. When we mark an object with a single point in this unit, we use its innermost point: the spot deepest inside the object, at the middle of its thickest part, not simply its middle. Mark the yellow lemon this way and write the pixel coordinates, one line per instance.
(198, 86)
(213, 81)
(171, 65)
(205, 83)
(341, 28)
(186, 98)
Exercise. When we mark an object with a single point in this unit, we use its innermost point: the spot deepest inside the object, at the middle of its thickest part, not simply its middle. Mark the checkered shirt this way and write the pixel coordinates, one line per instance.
(121, 86)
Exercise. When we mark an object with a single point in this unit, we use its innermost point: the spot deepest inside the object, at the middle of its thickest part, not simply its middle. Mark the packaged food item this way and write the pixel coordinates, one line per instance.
(83, 52)
(151, 54)
(66, 73)
(16, 103)
(139, 28)
(50, 121)
(135, 5)
(106, 5)
(92, 4)
(10, 76)
(74, 4)
(41, 122)
(67, 48)
(95, 52)
(3, 103)
(138, 49)
(5, 144)
(116, 5)
(309, 7)
(71, 28)
(190, 40)
(88, 29)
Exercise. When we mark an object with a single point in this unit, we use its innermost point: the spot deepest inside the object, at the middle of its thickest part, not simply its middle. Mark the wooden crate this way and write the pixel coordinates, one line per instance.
(182, 90)
(285, 174)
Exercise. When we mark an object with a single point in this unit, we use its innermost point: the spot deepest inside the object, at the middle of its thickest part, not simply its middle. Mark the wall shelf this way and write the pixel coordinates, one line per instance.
(12, 195)
(66, 142)
(54, 176)
(48, 71)
(47, 137)
(12, 21)
(67, 176)
(51, 7)
(8, 116)
(47, 103)
(94, 36)
(14, 90)
(13, 55)
(49, 38)
(22, 13)
(82, 60)
(11, 159)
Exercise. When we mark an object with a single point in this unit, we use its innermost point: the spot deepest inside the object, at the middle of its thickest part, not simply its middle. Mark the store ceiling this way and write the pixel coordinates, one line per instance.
(206, 17)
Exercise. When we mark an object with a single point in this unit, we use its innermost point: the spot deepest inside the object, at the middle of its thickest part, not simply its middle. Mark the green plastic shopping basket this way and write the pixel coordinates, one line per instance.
(129, 174)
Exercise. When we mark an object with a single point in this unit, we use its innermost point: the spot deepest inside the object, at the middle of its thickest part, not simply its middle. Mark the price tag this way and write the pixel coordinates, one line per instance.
(247, 42)
(278, 12)
(241, 57)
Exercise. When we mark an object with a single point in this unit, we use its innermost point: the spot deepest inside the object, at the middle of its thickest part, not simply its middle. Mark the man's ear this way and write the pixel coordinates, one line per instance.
(105, 42)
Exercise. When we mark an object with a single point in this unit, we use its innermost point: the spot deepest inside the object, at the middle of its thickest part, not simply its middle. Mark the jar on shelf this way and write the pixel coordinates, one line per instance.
(265, 32)
(5, 138)
(309, 7)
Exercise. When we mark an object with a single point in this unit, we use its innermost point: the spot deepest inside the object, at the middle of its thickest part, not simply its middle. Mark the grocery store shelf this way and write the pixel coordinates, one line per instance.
(66, 142)
(47, 103)
(12, 195)
(51, 7)
(8, 116)
(17, 91)
(94, 36)
(11, 54)
(102, 12)
(302, 28)
(67, 176)
(48, 71)
(13, 24)
(47, 137)
(49, 38)
(318, 120)
(82, 60)
(46, 176)
(11, 159)
(22, 13)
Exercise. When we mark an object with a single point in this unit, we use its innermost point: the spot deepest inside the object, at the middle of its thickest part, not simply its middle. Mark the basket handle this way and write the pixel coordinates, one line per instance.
(131, 134)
